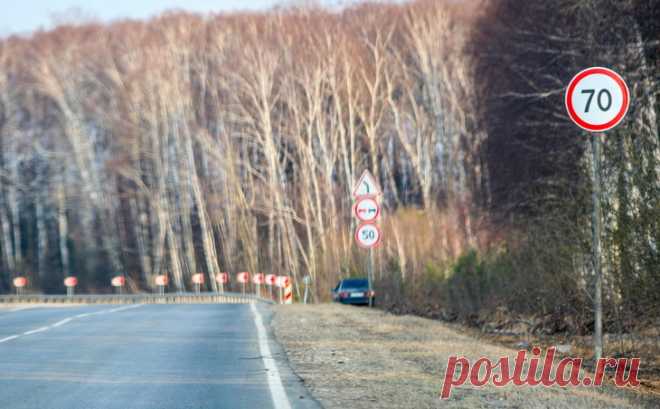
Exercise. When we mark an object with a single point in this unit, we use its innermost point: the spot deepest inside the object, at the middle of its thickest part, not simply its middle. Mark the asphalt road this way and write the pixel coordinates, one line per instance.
(145, 356)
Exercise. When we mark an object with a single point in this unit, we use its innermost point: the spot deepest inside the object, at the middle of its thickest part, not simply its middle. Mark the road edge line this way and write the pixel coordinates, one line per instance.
(277, 393)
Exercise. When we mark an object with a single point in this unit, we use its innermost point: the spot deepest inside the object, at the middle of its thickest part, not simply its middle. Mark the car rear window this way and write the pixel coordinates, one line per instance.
(354, 283)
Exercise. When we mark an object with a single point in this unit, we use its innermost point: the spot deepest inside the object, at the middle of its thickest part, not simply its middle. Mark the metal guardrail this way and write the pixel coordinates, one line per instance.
(171, 298)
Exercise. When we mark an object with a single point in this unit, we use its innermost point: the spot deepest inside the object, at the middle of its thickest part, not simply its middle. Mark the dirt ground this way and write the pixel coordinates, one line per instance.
(352, 357)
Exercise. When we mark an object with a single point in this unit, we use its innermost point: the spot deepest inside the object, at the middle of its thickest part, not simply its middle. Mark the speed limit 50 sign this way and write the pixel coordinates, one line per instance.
(597, 99)
(367, 235)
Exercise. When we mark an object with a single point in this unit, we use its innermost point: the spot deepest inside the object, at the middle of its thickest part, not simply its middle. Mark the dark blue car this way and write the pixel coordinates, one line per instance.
(353, 291)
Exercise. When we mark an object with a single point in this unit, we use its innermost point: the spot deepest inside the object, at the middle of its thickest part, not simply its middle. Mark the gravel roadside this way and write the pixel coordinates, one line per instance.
(360, 358)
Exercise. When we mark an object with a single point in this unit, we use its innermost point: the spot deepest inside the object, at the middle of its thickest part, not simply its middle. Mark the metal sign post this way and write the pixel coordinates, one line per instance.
(370, 271)
(367, 210)
(595, 237)
(597, 100)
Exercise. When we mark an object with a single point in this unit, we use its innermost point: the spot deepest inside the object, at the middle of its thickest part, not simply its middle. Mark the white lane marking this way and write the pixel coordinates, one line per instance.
(34, 331)
(280, 400)
(8, 338)
(67, 320)
(60, 323)
(129, 307)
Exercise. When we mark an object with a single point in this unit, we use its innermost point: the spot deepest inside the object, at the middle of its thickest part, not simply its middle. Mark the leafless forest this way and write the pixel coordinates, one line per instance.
(193, 143)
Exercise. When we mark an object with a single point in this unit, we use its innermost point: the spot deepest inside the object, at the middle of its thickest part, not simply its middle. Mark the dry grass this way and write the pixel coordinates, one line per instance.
(361, 358)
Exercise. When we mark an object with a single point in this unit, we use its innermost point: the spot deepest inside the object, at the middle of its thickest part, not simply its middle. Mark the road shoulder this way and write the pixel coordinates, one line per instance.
(297, 392)
(361, 358)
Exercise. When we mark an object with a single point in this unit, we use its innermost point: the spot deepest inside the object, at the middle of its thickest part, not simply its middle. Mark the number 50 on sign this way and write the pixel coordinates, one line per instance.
(367, 235)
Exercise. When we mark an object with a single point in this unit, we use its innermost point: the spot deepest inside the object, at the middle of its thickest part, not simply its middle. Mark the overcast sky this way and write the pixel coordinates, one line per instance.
(24, 16)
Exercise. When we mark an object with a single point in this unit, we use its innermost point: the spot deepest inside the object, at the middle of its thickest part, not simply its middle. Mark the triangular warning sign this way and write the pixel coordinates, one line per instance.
(366, 185)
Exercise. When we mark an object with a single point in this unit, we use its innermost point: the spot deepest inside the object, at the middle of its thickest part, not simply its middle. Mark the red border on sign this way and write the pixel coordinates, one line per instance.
(163, 279)
(359, 182)
(20, 282)
(118, 281)
(70, 281)
(361, 199)
(359, 243)
(571, 88)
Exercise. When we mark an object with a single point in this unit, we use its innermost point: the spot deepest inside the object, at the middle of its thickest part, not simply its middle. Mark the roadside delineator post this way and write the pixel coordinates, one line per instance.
(286, 291)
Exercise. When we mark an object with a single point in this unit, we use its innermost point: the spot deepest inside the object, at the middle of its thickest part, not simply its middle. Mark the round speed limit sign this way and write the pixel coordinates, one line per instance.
(597, 99)
(367, 235)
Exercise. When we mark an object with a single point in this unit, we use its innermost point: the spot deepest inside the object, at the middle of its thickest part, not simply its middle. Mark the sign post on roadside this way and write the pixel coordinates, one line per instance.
(70, 283)
(597, 100)
(161, 282)
(20, 283)
(258, 279)
(271, 281)
(367, 211)
(118, 282)
(243, 278)
(198, 280)
(222, 279)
